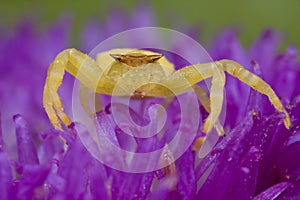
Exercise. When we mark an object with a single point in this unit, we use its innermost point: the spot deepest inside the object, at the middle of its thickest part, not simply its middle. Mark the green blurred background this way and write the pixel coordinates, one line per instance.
(251, 17)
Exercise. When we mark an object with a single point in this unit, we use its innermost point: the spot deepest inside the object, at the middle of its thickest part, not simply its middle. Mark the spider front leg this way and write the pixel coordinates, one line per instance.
(254, 81)
(79, 65)
(216, 98)
(204, 100)
(194, 74)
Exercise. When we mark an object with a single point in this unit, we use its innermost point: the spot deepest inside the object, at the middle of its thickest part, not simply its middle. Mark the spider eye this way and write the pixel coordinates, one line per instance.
(156, 57)
(117, 57)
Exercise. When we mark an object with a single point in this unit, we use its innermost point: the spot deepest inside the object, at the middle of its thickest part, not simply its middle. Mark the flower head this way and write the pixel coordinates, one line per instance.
(254, 160)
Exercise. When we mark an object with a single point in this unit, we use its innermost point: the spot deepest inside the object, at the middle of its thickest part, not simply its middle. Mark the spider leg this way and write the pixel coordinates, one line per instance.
(216, 99)
(84, 94)
(84, 99)
(188, 76)
(256, 83)
(204, 100)
(79, 65)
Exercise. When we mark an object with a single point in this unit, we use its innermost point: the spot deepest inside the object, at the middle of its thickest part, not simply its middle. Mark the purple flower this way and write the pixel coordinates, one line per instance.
(257, 159)
(25, 56)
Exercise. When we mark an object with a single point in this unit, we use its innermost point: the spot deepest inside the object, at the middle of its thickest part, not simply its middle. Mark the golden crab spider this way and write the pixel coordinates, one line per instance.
(156, 75)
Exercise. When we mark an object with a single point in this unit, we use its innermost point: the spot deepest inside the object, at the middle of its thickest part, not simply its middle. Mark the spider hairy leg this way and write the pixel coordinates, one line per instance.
(216, 98)
(194, 74)
(51, 100)
(254, 81)
(204, 100)
(84, 94)
(79, 65)
(186, 77)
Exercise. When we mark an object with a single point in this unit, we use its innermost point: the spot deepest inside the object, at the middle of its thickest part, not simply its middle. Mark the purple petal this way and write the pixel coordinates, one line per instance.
(264, 50)
(97, 180)
(126, 185)
(32, 181)
(95, 171)
(236, 165)
(287, 72)
(278, 164)
(130, 185)
(257, 101)
(287, 162)
(26, 149)
(273, 192)
(291, 193)
(55, 39)
(163, 188)
(1, 136)
(186, 186)
(92, 35)
(6, 178)
(81, 175)
(51, 147)
(73, 172)
(227, 46)
(142, 17)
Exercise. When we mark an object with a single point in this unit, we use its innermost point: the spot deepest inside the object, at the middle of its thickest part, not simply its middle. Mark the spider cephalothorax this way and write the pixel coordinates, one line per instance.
(156, 75)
